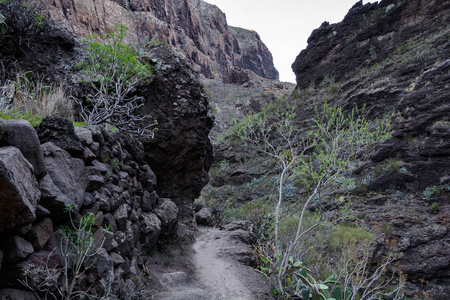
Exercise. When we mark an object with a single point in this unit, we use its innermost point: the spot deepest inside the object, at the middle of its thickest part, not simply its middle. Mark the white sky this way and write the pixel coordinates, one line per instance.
(283, 25)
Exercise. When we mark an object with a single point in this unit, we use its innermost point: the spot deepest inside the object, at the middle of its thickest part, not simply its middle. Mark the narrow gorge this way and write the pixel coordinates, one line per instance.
(197, 211)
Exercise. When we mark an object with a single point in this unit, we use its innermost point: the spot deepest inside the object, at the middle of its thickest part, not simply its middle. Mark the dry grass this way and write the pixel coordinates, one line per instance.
(26, 97)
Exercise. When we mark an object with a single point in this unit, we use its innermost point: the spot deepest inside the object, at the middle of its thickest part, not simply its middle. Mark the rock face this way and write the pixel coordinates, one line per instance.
(240, 93)
(181, 153)
(68, 173)
(60, 132)
(393, 57)
(197, 30)
(368, 34)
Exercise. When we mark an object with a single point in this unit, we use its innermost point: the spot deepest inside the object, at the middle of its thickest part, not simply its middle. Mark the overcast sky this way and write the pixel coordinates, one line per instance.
(283, 25)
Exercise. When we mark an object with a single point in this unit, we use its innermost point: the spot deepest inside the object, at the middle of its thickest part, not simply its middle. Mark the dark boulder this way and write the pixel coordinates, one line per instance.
(61, 132)
(14, 294)
(204, 216)
(19, 192)
(2, 128)
(20, 134)
(181, 153)
(167, 212)
(68, 173)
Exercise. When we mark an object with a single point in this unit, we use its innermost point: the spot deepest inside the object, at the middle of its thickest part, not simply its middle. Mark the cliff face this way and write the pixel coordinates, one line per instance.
(394, 58)
(368, 35)
(197, 30)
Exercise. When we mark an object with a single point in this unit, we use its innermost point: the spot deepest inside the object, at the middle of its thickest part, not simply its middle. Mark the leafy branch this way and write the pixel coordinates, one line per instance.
(114, 70)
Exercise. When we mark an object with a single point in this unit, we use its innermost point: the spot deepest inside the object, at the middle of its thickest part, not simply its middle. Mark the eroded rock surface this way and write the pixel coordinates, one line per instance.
(196, 29)
(393, 58)
(181, 153)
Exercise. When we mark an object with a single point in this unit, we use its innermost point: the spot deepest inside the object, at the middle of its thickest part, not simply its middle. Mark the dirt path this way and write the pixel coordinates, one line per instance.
(214, 269)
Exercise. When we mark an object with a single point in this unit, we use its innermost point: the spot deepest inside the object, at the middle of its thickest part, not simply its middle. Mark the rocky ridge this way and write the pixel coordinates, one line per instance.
(198, 31)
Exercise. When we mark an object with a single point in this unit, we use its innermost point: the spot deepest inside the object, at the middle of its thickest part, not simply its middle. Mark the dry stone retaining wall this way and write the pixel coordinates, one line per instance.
(92, 169)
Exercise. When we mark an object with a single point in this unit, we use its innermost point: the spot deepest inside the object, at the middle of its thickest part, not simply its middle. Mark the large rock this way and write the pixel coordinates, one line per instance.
(150, 231)
(19, 192)
(53, 199)
(16, 248)
(84, 135)
(204, 216)
(14, 294)
(20, 134)
(40, 233)
(167, 212)
(62, 133)
(181, 153)
(66, 172)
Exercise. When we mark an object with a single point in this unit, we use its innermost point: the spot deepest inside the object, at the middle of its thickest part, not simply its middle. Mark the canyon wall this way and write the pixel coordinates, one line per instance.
(198, 31)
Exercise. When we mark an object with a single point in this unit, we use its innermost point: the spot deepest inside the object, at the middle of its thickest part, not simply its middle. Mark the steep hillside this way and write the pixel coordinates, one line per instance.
(240, 93)
(393, 57)
(197, 30)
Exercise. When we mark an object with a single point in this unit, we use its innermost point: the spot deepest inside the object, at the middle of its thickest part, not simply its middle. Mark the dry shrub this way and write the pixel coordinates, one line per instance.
(27, 97)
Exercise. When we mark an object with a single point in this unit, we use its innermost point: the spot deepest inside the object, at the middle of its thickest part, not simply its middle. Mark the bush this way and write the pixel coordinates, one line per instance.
(79, 252)
(349, 235)
(434, 208)
(314, 159)
(114, 70)
(20, 22)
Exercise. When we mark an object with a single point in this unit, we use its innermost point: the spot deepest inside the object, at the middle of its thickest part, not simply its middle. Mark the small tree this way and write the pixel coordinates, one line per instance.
(315, 157)
(114, 70)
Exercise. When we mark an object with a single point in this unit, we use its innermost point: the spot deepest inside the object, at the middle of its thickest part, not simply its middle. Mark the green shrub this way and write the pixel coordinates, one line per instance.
(80, 251)
(34, 119)
(346, 234)
(434, 208)
(256, 212)
(431, 192)
(114, 70)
